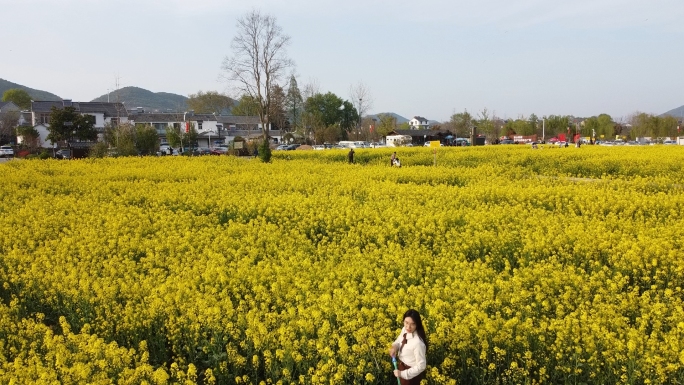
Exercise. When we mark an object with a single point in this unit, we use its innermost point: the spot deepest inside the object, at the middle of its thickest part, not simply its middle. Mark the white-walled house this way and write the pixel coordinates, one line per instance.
(419, 123)
(211, 129)
(104, 113)
(42, 136)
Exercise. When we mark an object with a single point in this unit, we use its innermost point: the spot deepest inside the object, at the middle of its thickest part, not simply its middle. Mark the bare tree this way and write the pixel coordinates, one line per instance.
(259, 60)
(311, 89)
(361, 97)
(8, 122)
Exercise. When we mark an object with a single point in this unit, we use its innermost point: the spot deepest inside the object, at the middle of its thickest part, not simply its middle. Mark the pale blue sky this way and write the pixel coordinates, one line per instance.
(422, 57)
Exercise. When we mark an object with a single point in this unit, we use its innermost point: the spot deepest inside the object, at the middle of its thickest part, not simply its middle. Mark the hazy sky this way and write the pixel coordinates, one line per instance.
(421, 57)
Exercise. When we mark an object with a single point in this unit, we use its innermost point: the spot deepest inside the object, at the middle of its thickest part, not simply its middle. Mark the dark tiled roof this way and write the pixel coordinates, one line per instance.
(202, 117)
(226, 120)
(250, 133)
(8, 106)
(156, 117)
(232, 119)
(42, 106)
(108, 109)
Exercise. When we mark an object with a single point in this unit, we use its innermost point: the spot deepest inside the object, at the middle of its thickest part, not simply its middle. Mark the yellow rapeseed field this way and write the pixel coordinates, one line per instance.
(558, 266)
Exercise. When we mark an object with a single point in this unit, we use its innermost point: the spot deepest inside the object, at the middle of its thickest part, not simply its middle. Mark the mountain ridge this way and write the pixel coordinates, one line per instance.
(134, 97)
(675, 112)
(34, 93)
(400, 119)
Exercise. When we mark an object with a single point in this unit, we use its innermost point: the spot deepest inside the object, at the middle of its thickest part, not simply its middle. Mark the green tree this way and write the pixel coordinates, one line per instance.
(146, 139)
(246, 106)
(332, 110)
(387, 124)
(591, 127)
(294, 104)
(486, 126)
(66, 124)
(557, 124)
(19, 97)
(30, 138)
(606, 125)
(533, 121)
(462, 123)
(177, 137)
(329, 134)
(210, 102)
(277, 114)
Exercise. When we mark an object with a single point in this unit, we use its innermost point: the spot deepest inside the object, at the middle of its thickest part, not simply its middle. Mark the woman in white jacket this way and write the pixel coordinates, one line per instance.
(411, 348)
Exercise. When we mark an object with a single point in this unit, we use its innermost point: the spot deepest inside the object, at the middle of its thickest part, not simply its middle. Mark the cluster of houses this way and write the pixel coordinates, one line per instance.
(212, 129)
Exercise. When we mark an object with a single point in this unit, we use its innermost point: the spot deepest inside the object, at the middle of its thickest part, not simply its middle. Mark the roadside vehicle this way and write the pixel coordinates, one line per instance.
(220, 150)
(6, 151)
(346, 144)
(318, 147)
(282, 147)
(63, 153)
(507, 141)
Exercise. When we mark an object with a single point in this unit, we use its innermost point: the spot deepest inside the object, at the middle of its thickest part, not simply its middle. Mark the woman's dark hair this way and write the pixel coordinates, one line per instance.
(415, 316)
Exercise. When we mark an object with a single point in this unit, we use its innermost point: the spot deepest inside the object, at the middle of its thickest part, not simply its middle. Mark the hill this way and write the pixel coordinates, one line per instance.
(134, 97)
(400, 119)
(35, 94)
(677, 112)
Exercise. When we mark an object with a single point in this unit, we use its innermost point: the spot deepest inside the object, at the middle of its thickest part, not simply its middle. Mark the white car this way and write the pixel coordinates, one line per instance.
(6, 152)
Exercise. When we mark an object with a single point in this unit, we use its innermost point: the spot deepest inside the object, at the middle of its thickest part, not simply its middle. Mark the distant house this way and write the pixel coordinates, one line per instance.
(8, 106)
(104, 113)
(211, 129)
(11, 111)
(419, 137)
(419, 123)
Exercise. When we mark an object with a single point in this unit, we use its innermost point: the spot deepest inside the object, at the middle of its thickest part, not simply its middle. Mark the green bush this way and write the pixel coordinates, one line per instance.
(99, 150)
(265, 151)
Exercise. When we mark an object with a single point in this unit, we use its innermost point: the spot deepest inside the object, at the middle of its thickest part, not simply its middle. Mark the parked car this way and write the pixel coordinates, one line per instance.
(201, 151)
(6, 152)
(220, 150)
(507, 141)
(291, 147)
(63, 153)
(318, 147)
(282, 147)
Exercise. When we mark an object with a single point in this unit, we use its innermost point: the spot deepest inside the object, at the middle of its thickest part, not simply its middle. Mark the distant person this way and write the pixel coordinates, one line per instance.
(350, 155)
(392, 158)
(397, 163)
